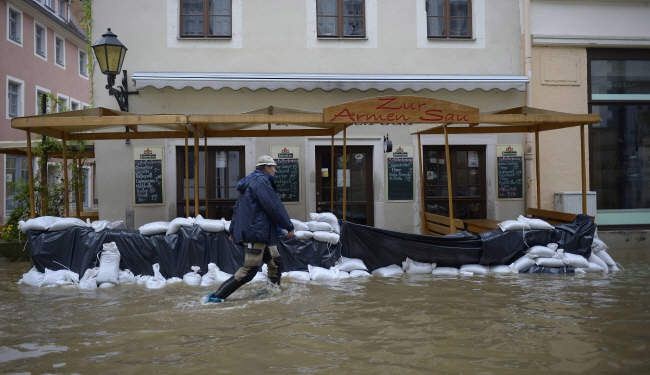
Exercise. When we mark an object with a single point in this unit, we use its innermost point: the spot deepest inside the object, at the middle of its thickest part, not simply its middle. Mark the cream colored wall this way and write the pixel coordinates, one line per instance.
(559, 83)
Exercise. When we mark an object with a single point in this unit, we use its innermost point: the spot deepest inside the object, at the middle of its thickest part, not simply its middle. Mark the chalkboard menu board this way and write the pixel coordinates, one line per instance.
(148, 181)
(400, 179)
(510, 177)
(287, 179)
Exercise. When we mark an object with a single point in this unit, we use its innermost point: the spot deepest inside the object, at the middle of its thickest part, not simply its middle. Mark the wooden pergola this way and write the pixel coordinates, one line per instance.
(447, 117)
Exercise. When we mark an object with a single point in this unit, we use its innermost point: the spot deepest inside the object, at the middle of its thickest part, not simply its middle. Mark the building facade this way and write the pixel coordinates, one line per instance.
(224, 57)
(43, 53)
(584, 59)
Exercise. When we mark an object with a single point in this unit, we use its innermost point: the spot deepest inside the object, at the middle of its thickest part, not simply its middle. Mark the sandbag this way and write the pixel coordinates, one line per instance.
(156, 227)
(549, 262)
(509, 225)
(89, 279)
(598, 245)
(594, 258)
(209, 225)
(594, 267)
(327, 237)
(117, 224)
(299, 225)
(574, 260)
(59, 277)
(412, 267)
(540, 252)
(350, 264)
(389, 271)
(475, 269)
(65, 223)
(445, 271)
(359, 273)
(534, 223)
(109, 264)
(501, 270)
(553, 246)
(32, 277)
(327, 217)
(303, 235)
(175, 224)
(100, 225)
(126, 277)
(193, 278)
(301, 276)
(226, 225)
(174, 280)
(318, 226)
(322, 274)
(604, 255)
(157, 281)
(522, 264)
(41, 223)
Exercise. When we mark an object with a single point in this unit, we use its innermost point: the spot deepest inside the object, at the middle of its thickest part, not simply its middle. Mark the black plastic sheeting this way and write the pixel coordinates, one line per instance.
(78, 248)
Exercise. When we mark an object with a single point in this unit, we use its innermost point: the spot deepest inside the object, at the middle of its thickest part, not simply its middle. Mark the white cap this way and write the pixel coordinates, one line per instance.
(265, 160)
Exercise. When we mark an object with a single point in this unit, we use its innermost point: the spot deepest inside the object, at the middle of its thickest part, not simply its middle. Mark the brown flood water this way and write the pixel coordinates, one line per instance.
(493, 325)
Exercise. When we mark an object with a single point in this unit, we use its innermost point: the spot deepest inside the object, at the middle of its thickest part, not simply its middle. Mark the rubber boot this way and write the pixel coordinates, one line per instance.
(275, 279)
(226, 289)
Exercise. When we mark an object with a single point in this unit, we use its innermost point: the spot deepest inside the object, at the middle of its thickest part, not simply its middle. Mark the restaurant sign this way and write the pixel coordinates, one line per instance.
(400, 110)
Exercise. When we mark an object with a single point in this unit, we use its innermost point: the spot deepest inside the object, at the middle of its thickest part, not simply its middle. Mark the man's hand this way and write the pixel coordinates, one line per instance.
(290, 235)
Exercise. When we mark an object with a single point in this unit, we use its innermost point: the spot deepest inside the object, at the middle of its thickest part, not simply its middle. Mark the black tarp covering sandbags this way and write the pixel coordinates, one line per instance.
(379, 248)
(78, 249)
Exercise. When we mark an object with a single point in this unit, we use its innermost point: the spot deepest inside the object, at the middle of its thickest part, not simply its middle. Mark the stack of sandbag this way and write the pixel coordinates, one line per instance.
(354, 266)
(551, 259)
(51, 223)
(172, 227)
(323, 227)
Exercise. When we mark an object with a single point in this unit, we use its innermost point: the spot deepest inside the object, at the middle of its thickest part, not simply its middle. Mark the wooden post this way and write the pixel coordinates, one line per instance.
(187, 180)
(345, 167)
(583, 167)
(205, 172)
(79, 204)
(332, 174)
(537, 168)
(423, 226)
(196, 172)
(450, 192)
(30, 174)
(66, 198)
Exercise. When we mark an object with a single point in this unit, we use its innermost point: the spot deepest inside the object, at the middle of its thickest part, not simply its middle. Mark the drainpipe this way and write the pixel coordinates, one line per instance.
(527, 66)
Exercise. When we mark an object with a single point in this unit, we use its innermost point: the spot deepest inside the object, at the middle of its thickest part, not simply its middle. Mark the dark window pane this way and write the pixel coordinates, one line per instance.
(353, 26)
(192, 7)
(193, 25)
(326, 7)
(435, 8)
(620, 76)
(220, 7)
(352, 7)
(459, 27)
(435, 26)
(327, 26)
(459, 8)
(220, 26)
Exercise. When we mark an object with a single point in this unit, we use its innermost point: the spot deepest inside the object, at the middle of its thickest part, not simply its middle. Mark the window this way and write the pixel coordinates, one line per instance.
(74, 105)
(15, 26)
(48, 3)
(15, 95)
(449, 18)
(206, 18)
(83, 64)
(62, 103)
(340, 18)
(619, 146)
(15, 173)
(40, 94)
(63, 9)
(40, 40)
(59, 44)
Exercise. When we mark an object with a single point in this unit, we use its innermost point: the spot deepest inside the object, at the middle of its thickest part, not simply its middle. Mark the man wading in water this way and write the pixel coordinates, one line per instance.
(257, 216)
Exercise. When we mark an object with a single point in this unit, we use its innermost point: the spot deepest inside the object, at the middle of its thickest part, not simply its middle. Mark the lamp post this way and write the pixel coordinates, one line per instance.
(109, 52)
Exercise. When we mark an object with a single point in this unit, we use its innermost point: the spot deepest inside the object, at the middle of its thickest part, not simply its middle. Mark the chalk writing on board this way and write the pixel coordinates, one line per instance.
(287, 179)
(148, 181)
(400, 178)
(510, 177)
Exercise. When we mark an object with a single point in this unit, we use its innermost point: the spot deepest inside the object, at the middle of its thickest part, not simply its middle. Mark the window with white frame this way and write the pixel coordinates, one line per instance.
(15, 97)
(449, 19)
(63, 9)
(14, 25)
(83, 63)
(75, 105)
(42, 93)
(59, 46)
(40, 40)
(15, 175)
(62, 103)
(341, 18)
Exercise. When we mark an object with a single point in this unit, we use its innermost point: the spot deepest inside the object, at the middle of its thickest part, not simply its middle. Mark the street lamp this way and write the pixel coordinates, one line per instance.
(109, 52)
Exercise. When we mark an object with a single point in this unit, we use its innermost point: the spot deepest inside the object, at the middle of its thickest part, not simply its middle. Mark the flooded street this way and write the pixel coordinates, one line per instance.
(509, 324)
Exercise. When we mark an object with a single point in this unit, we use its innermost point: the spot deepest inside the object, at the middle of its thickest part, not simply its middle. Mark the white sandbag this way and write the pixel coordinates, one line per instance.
(412, 267)
(303, 235)
(210, 225)
(327, 217)
(89, 279)
(193, 278)
(575, 260)
(350, 264)
(259, 277)
(579, 271)
(553, 246)
(594, 258)
(522, 264)
(157, 227)
(322, 274)
(549, 262)
(465, 273)
(540, 252)
(226, 225)
(319, 226)
(32, 278)
(389, 271)
(327, 237)
(38, 223)
(614, 268)
(598, 245)
(126, 277)
(300, 276)
(501, 270)
(140, 280)
(117, 224)
(445, 271)
(158, 280)
(179, 222)
(535, 223)
(109, 264)
(210, 277)
(476, 269)
(67, 222)
(174, 280)
(513, 225)
(604, 255)
(299, 225)
(359, 273)
(343, 275)
(594, 267)
(59, 277)
(99, 225)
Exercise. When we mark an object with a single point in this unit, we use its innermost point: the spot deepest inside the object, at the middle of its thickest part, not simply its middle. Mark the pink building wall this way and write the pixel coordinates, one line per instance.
(22, 63)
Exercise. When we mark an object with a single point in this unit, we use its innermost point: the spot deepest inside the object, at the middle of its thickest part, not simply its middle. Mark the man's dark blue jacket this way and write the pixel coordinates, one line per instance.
(258, 212)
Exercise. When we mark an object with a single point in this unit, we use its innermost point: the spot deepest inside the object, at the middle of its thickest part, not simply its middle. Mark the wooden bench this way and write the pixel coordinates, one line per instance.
(441, 225)
(553, 217)
(480, 225)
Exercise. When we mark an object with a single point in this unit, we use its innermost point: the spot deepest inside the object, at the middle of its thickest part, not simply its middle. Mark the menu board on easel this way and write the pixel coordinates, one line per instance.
(287, 175)
(148, 181)
(399, 166)
(510, 172)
